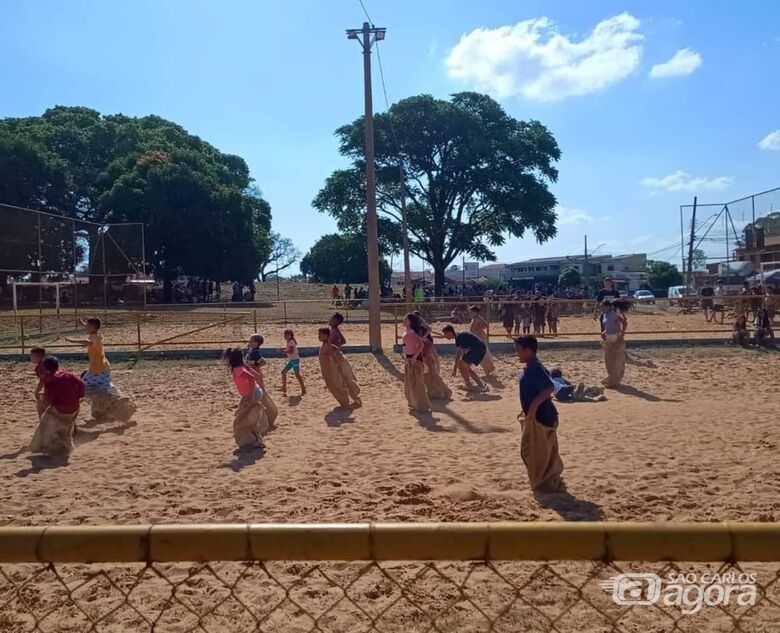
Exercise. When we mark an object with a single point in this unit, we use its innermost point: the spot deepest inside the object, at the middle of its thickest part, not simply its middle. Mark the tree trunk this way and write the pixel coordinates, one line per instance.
(263, 275)
(438, 279)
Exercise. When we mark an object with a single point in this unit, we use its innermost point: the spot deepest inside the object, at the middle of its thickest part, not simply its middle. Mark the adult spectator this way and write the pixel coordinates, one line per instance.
(608, 292)
(707, 294)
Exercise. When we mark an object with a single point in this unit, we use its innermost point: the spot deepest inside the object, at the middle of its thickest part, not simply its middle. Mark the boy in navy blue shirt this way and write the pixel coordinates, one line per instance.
(253, 357)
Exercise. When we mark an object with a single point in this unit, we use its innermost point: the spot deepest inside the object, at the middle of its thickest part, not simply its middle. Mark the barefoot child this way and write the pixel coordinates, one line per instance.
(61, 400)
(415, 388)
(613, 335)
(539, 441)
(479, 328)
(331, 358)
(254, 357)
(470, 351)
(37, 354)
(106, 400)
(251, 419)
(293, 362)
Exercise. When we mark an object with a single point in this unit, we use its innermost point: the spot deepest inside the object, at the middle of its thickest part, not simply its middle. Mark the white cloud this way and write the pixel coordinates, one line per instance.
(683, 181)
(531, 59)
(567, 215)
(771, 141)
(683, 62)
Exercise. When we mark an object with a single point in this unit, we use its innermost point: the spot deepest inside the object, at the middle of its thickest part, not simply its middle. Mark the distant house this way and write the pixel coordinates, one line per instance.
(629, 271)
(494, 272)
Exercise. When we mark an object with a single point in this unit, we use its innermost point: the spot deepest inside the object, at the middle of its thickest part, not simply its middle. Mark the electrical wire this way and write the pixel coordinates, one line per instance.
(368, 17)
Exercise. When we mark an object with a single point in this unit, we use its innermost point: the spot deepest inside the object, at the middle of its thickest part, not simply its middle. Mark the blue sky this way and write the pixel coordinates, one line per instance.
(651, 102)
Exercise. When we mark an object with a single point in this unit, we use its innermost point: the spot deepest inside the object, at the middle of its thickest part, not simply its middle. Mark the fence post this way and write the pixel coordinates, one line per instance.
(285, 313)
(138, 328)
(21, 330)
(224, 313)
(395, 322)
(487, 331)
(254, 314)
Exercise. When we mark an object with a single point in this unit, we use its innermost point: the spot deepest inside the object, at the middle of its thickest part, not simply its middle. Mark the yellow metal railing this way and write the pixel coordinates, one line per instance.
(448, 578)
(595, 541)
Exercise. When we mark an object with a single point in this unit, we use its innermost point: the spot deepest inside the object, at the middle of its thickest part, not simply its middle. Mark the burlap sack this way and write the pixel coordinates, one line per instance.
(54, 433)
(347, 376)
(414, 386)
(615, 361)
(437, 388)
(250, 422)
(270, 410)
(334, 380)
(107, 405)
(539, 450)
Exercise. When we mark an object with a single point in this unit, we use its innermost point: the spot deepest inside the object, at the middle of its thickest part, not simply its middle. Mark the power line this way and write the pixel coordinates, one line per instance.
(368, 17)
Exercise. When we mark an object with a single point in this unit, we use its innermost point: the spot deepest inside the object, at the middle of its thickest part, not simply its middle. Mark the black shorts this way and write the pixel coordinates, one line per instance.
(474, 356)
(707, 302)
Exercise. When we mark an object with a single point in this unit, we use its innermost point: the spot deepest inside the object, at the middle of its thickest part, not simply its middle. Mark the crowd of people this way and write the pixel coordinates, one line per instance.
(59, 393)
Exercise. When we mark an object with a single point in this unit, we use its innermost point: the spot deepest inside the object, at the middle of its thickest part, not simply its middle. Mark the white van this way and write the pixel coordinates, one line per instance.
(676, 293)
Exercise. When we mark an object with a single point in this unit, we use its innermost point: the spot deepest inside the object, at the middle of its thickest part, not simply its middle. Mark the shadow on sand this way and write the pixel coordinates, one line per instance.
(39, 463)
(338, 417)
(388, 366)
(627, 390)
(569, 507)
(246, 457)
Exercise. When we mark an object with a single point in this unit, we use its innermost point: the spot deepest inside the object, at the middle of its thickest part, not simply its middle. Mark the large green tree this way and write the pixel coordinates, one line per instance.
(473, 176)
(338, 258)
(197, 204)
(662, 275)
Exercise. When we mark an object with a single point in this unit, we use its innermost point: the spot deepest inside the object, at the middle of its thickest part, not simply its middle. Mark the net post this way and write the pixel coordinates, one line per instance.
(138, 329)
(254, 319)
(395, 322)
(57, 306)
(284, 304)
(21, 331)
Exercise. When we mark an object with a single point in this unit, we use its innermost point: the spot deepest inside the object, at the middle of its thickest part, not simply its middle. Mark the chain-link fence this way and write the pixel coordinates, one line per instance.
(448, 578)
(49, 260)
(219, 325)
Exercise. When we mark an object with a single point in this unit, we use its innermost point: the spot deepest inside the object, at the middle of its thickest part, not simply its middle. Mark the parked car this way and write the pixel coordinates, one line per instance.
(644, 296)
(676, 294)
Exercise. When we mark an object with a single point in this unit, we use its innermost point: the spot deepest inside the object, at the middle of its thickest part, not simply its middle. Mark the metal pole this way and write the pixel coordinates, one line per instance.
(728, 258)
(40, 276)
(407, 265)
(689, 280)
(75, 266)
(585, 264)
(103, 249)
(682, 242)
(143, 257)
(374, 323)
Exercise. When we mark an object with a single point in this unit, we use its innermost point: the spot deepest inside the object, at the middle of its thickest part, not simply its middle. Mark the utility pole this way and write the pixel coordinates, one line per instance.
(366, 37)
(585, 264)
(407, 265)
(689, 279)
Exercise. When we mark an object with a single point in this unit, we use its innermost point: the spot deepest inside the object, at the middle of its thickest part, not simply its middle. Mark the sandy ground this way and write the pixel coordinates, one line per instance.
(692, 438)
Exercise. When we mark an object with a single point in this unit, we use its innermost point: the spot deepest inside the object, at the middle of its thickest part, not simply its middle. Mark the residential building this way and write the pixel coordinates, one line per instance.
(627, 270)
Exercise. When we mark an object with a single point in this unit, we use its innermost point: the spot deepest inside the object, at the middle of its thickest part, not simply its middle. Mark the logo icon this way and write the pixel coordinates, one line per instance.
(634, 589)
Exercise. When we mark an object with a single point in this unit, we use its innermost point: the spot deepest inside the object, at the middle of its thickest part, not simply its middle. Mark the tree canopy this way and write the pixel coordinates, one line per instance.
(338, 258)
(192, 198)
(663, 275)
(569, 278)
(473, 175)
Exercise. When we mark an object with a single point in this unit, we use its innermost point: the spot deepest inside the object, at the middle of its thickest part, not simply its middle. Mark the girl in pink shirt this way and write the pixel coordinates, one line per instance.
(248, 381)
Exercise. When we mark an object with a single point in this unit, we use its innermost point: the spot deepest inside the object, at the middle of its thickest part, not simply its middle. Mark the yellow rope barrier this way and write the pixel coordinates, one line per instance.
(393, 541)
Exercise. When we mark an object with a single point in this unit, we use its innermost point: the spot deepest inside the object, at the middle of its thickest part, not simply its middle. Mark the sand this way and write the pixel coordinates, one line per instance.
(694, 437)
